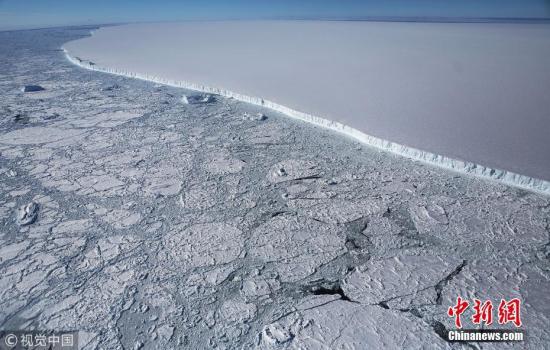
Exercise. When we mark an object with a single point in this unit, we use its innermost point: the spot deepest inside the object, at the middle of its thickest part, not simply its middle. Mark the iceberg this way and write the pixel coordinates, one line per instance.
(473, 105)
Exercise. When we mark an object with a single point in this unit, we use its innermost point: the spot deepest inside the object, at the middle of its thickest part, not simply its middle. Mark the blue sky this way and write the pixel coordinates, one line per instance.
(36, 13)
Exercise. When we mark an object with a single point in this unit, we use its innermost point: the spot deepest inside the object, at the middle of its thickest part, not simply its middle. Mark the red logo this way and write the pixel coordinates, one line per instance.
(457, 310)
(483, 312)
(508, 312)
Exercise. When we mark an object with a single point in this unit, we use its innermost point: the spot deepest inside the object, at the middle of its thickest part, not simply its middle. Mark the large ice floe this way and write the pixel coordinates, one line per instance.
(467, 97)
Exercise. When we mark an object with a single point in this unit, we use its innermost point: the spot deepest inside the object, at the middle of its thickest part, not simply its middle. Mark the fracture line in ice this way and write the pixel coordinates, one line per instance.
(502, 176)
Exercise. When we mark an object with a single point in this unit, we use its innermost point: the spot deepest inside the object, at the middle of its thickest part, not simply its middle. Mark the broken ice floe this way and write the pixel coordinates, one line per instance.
(202, 245)
(39, 134)
(27, 214)
(338, 211)
(385, 280)
(73, 226)
(121, 219)
(295, 245)
(429, 217)
(349, 325)
(197, 99)
(223, 163)
(32, 88)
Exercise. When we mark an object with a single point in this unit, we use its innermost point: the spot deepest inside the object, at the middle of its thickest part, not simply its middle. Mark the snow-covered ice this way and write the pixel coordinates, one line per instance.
(144, 222)
(469, 97)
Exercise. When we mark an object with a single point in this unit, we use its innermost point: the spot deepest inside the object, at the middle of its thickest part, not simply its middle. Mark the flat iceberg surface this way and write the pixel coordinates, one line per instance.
(472, 92)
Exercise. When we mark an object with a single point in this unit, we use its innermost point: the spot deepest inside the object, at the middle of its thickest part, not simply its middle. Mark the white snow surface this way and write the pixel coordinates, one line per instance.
(452, 95)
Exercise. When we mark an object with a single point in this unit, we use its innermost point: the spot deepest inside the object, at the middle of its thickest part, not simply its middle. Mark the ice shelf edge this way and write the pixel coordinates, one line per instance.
(459, 166)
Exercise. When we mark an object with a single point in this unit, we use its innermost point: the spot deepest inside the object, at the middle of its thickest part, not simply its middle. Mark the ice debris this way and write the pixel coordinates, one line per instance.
(27, 214)
(110, 87)
(197, 99)
(254, 117)
(275, 334)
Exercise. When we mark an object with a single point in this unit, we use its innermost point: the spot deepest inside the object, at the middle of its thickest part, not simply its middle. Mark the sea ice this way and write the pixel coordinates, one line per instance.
(166, 226)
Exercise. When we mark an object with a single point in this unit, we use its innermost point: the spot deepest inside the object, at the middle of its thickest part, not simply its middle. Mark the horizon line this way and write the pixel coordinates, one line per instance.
(396, 19)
